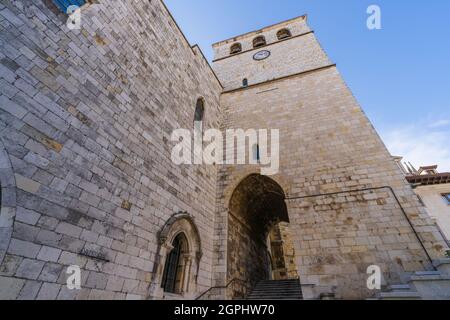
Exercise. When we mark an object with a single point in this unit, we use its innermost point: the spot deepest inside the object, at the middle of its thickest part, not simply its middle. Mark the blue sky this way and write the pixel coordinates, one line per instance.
(400, 74)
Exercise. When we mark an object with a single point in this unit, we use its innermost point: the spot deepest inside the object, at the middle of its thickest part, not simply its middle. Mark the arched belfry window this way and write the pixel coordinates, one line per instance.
(259, 42)
(283, 34)
(174, 269)
(198, 124)
(236, 48)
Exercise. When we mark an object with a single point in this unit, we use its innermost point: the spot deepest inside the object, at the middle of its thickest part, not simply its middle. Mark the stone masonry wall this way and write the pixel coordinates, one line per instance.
(249, 259)
(288, 250)
(438, 209)
(85, 121)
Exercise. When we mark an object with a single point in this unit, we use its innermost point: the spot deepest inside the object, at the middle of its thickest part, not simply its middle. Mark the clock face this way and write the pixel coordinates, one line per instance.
(261, 55)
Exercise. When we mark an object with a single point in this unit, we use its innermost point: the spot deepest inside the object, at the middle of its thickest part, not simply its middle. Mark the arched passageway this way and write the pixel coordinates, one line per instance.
(281, 252)
(175, 266)
(8, 200)
(256, 209)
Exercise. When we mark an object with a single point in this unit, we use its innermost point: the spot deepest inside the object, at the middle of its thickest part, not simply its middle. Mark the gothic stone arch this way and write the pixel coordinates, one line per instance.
(179, 223)
(7, 201)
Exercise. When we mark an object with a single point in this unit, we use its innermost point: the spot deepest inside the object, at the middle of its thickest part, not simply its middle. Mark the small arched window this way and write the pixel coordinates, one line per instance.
(175, 267)
(245, 82)
(283, 34)
(236, 48)
(259, 42)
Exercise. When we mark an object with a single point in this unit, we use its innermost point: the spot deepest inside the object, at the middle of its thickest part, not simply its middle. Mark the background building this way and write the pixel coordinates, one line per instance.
(87, 179)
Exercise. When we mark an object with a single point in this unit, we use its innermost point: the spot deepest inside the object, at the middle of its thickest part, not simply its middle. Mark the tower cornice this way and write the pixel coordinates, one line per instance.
(264, 46)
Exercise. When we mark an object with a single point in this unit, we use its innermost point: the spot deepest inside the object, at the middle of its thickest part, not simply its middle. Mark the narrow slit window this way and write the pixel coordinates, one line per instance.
(199, 116)
(174, 268)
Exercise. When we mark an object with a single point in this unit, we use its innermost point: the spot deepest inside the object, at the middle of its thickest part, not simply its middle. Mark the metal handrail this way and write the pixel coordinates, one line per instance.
(223, 287)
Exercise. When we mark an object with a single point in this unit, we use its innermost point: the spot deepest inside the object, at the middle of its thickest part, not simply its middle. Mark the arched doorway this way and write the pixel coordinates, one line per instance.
(175, 266)
(177, 260)
(256, 208)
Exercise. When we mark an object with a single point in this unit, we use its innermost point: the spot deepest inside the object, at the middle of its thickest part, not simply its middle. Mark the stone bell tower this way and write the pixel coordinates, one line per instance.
(347, 203)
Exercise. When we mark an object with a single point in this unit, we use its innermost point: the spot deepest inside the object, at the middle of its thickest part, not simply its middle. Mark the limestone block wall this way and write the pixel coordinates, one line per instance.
(327, 145)
(85, 121)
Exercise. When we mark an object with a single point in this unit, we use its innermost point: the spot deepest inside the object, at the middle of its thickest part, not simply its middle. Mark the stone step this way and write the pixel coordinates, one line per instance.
(290, 283)
(278, 284)
(267, 295)
(400, 295)
(279, 281)
(277, 290)
(427, 285)
(275, 294)
(399, 287)
(267, 298)
(426, 273)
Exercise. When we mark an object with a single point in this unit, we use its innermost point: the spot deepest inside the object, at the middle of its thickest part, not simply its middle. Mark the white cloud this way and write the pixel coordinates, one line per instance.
(421, 144)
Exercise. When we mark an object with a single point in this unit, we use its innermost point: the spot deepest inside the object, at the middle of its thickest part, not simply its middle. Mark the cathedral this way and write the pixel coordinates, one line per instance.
(89, 187)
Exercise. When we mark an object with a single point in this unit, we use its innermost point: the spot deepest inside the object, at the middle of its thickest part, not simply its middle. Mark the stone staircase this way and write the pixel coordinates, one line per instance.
(423, 285)
(277, 290)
